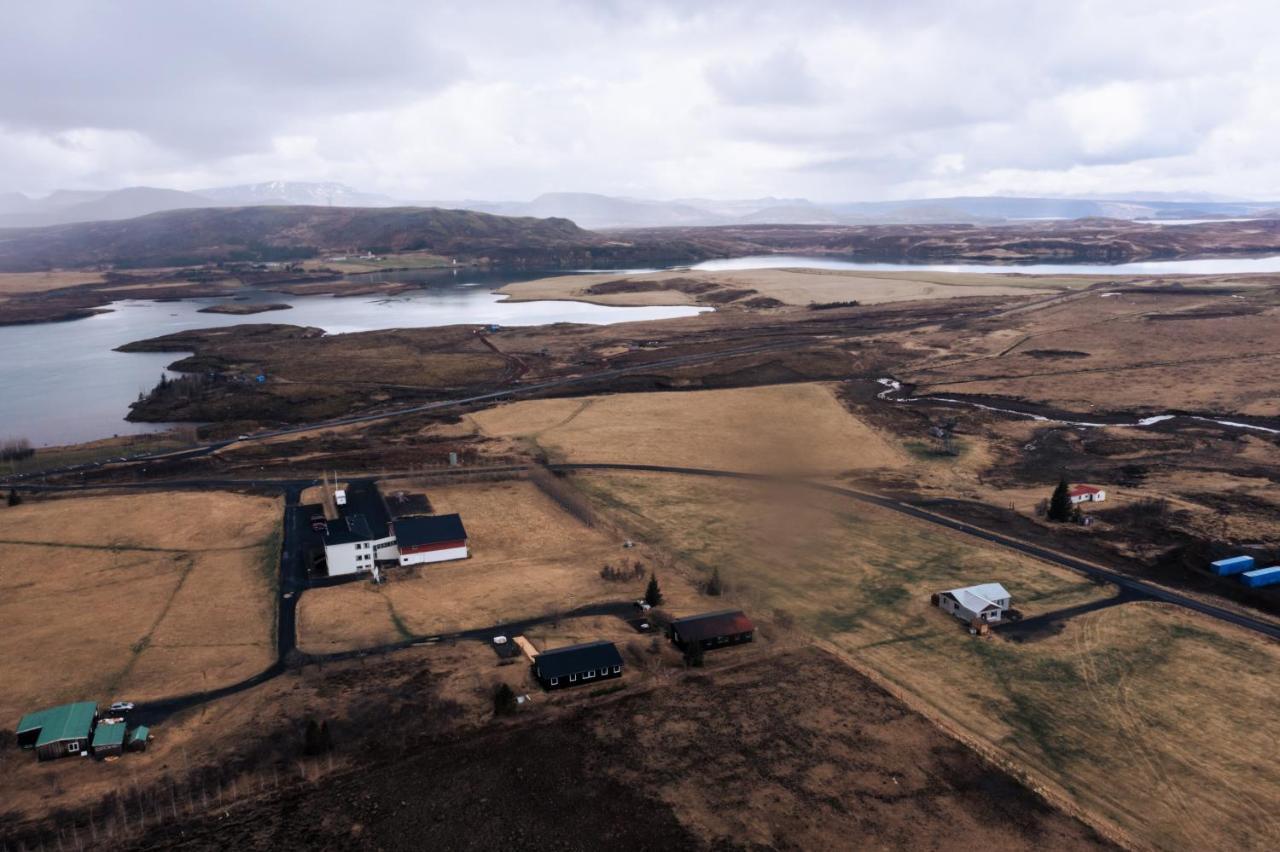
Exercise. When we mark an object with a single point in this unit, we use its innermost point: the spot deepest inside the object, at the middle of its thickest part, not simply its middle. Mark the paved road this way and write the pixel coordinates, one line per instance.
(518, 390)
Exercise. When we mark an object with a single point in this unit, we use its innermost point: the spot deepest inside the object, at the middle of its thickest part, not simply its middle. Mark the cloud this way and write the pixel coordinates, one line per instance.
(829, 100)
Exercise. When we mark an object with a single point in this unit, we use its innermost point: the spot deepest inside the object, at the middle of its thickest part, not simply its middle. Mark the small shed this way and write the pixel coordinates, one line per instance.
(108, 739)
(138, 738)
(985, 602)
(58, 731)
(712, 630)
(574, 665)
(1261, 577)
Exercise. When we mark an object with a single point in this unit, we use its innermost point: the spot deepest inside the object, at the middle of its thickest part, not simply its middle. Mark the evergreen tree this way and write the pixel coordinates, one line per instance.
(311, 739)
(714, 586)
(653, 594)
(1060, 507)
(326, 741)
(504, 701)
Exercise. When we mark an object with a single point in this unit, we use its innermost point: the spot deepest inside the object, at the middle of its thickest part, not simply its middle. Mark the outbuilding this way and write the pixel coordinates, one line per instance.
(108, 739)
(430, 538)
(1087, 494)
(577, 664)
(985, 602)
(58, 731)
(138, 738)
(712, 630)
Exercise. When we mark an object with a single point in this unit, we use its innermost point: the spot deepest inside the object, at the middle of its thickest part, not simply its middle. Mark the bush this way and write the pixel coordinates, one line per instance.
(14, 499)
(714, 586)
(16, 449)
(504, 701)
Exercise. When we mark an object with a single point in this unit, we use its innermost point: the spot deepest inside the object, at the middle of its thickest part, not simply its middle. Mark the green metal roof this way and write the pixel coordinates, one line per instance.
(108, 735)
(65, 722)
(139, 734)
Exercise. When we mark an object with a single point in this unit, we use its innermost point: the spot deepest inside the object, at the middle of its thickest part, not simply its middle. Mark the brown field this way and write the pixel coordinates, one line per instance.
(769, 428)
(529, 558)
(134, 597)
(1149, 718)
(12, 283)
(1209, 351)
(789, 286)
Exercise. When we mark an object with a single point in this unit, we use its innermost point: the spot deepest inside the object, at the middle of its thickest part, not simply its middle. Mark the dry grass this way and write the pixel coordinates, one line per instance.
(779, 428)
(160, 594)
(797, 286)
(13, 283)
(1148, 717)
(529, 558)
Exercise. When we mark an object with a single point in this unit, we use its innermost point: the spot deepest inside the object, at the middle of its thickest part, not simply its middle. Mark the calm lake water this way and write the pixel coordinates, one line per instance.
(62, 383)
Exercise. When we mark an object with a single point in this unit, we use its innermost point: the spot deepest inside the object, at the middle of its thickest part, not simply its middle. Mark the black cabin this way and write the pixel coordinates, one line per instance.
(712, 630)
(577, 664)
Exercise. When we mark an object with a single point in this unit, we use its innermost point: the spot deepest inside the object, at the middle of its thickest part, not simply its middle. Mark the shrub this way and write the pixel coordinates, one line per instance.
(714, 586)
(504, 700)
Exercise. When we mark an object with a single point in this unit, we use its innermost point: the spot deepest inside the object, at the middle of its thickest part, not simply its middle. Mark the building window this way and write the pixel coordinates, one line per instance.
(555, 681)
(73, 746)
(572, 678)
(617, 669)
(590, 674)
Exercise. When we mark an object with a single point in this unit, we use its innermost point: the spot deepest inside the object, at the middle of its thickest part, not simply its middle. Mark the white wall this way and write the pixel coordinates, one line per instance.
(349, 558)
(434, 556)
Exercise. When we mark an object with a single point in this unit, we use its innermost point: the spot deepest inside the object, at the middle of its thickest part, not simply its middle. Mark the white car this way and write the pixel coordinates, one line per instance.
(121, 706)
(499, 640)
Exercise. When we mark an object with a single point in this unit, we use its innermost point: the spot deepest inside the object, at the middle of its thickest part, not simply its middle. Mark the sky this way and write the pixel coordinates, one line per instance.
(838, 101)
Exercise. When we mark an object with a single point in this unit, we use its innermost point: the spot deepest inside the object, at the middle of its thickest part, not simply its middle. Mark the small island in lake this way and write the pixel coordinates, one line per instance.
(244, 308)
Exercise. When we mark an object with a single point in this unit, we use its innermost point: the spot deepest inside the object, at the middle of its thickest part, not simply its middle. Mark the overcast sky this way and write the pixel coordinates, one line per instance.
(494, 100)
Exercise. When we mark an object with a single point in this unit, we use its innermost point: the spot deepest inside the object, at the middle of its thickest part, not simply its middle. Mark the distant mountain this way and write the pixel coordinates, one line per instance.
(67, 206)
(295, 192)
(278, 233)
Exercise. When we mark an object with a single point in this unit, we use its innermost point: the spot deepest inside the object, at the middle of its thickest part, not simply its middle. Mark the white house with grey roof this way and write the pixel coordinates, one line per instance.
(983, 602)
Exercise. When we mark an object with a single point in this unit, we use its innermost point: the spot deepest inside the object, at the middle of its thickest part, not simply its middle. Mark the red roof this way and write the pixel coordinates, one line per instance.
(710, 625)
(1077, 490)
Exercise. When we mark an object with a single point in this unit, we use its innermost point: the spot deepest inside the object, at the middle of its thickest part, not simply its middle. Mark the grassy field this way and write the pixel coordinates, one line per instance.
(529, 558)
(13, 283)
(799, 426)
(134, 597)
(1157, 721)
(793, 286)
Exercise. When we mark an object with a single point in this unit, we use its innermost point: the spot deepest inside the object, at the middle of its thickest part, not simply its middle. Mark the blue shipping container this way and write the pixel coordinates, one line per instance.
(1234, 565)
(1261, 577)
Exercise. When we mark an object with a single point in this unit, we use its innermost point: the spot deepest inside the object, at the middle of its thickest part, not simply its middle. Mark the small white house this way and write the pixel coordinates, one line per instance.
(984, 602)
(1087, 494)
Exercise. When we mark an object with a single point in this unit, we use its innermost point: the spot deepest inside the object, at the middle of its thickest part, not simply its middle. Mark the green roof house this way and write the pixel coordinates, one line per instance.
(108, 739)
(138, 738)
(58, 731)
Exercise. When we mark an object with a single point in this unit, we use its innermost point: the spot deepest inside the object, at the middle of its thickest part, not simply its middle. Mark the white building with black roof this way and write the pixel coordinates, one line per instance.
(575, 665)
(430, 538)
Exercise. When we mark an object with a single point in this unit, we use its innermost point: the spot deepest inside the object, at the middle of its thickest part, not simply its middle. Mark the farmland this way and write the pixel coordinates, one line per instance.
(1113, 713)
(530, 558)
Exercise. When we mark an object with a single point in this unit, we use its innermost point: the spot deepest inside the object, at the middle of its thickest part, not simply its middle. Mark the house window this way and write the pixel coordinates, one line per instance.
(555, 681)
(617, 669)
(73, 746)
(572, 678)
(590, 674)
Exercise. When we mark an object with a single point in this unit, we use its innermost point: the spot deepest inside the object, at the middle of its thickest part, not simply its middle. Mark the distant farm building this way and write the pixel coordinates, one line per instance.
(360, 537)
(577, 664)
(430, 538)
(58, 731)
(1087, 494)
(138, 738)
(986, 602)
(1233, 565)
(712, 630)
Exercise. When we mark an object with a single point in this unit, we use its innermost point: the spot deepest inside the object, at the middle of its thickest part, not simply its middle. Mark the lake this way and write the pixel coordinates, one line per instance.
(62, 383)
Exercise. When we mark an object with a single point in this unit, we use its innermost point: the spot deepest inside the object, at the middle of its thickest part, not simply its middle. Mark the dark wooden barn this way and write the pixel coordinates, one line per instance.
(712, 630)
(577, 664)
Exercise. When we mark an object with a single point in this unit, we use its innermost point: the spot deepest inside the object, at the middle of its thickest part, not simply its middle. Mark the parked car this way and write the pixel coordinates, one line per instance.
(121, 706)
(642, 606)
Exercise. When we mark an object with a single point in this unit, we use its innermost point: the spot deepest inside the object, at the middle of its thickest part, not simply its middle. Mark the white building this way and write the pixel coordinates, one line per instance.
(1087, 494)
(350, 546)
(984, 602)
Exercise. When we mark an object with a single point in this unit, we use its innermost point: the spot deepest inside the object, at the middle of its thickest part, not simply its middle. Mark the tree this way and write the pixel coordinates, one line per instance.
(326, 741)
(14, 499)
(653, 594)
(714, 587)
(504, 701)
(694, 656)
(311, 744)
(1060, 507)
